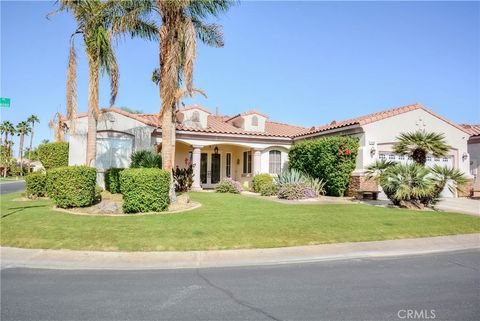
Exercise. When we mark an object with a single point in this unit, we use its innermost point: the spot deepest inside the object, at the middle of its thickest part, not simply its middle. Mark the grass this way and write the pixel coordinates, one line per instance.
(225, 221)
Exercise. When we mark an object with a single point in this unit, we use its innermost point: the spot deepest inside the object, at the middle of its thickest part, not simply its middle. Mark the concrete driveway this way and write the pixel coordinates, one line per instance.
(461, 205)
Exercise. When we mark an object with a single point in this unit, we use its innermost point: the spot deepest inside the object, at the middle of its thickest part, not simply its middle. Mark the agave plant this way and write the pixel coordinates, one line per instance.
(145, 158)
(316, 184)
(289, 176)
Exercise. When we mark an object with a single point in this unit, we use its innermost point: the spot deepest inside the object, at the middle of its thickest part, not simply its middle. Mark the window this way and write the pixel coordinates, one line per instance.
(247, 162)
(437, 159)
(196, 116)
(382, 157)
(445, 159)
(429, 159)
(274, 162)
(401, 157)
(254, 121)
(391, 157)
(113, 151)
(228, 165)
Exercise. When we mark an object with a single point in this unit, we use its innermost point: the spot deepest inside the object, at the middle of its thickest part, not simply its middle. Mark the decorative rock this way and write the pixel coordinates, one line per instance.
(183, 199)
(107, 207)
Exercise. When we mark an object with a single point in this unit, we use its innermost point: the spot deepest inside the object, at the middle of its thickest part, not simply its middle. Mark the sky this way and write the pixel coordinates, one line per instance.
(304, 63)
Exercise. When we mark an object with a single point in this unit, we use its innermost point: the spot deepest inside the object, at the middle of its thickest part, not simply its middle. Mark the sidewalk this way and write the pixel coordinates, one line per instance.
(67, 259)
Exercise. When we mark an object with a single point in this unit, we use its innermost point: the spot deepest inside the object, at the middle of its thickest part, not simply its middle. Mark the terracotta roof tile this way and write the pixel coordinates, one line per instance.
(474, 130)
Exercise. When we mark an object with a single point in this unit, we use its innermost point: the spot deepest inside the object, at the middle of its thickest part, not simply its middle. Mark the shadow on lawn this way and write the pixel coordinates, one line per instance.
(19, 209)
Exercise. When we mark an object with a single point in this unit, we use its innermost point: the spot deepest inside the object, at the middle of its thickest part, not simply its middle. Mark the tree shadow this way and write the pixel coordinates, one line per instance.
(19, 209)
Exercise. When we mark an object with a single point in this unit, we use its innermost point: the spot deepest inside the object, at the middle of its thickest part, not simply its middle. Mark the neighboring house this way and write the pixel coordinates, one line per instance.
(249, 143)
(474, 151)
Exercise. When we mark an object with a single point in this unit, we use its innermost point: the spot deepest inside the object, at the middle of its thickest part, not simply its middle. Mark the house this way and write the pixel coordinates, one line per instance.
(248, 143)
(474, 152)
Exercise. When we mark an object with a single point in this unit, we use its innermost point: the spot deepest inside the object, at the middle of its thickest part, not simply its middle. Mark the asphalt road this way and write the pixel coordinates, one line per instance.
(441, 287)
(11, 187)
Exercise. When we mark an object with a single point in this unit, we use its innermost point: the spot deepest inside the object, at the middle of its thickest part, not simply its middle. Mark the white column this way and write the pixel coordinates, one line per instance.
(257, 161)
(196, 156)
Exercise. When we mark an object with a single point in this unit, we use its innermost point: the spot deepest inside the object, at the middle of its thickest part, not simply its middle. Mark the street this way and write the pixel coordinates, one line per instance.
(439, 286)
(11, 187)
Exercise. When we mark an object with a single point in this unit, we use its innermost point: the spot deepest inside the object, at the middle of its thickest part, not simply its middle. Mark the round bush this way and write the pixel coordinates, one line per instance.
(259, 180)
(228, 185)
(112, 180)
(53, 155)
(35, 184)
(270, 189)
(72, 186)
(295, 191)
(145, 189)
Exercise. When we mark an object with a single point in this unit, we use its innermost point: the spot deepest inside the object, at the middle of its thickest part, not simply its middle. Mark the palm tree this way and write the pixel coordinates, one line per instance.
(7, 128)
(99, 22)
(420, 143)
(58, 125)
(453, 178)
(182, 22)
(23, 128)
(32, 120)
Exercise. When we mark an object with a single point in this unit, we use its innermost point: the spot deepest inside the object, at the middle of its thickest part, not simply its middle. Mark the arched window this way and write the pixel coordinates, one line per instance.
(254, 121)
(274, 162)
(196, 116)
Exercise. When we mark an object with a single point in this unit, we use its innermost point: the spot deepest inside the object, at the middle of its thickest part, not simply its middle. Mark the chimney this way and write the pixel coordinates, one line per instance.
(217, 111)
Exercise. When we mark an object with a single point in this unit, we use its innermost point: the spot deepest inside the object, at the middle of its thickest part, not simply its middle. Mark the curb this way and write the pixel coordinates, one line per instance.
(85, 260)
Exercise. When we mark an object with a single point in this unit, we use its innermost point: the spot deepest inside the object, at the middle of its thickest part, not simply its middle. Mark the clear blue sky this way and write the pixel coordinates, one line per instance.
(304, 63)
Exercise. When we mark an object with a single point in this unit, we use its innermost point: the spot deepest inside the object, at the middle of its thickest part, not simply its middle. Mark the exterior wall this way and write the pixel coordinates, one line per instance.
(188, 119)
(247, 124)
(474, 151)
(382, 135)
(360, 183)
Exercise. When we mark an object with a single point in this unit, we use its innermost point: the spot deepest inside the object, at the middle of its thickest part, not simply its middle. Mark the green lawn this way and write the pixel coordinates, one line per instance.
(225, 221)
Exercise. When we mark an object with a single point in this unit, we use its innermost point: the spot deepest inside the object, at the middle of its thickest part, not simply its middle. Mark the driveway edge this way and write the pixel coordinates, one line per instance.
(81, 260)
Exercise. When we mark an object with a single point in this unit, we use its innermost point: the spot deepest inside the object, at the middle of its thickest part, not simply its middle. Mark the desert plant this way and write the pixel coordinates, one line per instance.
(420, 143)
(112, 180)
(295, 191)
(35, 184)
(183, 178)
(289, 176)
(53, 155)
(145, 189)
(443, 177)
(72, 186)
(331, 159)
(259, 180)
(145, 159)
(270, 189)
(228, 185)
(375, 170)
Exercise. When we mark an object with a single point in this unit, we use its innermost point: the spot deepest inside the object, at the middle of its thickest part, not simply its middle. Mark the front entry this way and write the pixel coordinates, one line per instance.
(215, 168)
(209, 177)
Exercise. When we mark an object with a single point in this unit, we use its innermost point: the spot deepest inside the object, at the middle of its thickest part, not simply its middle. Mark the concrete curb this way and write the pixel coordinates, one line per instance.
(80, 260)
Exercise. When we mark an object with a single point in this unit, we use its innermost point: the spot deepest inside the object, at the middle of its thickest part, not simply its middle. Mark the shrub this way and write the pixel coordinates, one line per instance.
(145, 159)
(98, 194)
(295, 191)
(228, 185)
(145, 189)
(183, 178)
(53, 155)
(331, 159)
(269, 189)
(36, 184)
(112, 180)
(72, 186)
(259, 180)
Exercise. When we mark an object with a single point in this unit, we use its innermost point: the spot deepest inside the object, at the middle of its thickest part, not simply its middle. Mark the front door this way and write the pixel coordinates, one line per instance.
(203, 168)
(215, 168)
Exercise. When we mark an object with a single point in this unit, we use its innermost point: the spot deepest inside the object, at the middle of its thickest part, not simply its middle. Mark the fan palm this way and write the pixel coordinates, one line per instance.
(99, 22)
(375, 170)
(420, 143)
(182, 22)
(7, 129)
(58, 125)
(32, 120)
(453, 178)
(23, 128)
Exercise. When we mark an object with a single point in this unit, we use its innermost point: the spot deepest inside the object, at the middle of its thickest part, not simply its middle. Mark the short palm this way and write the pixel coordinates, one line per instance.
(419, 144)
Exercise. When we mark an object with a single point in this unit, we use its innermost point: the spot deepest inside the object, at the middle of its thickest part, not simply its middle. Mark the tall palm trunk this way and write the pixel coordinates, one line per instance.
(92, 111)
(31, 142)
(168, 86)
(20, 152)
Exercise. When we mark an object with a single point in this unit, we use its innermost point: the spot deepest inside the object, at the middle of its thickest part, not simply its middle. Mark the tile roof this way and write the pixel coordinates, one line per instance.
(474, 130)
(370, 118)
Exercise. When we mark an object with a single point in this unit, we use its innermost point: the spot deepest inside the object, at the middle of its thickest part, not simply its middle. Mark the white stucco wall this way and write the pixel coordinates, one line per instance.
(187, 118)
(109, 121)
(383, 134)
(474, 151)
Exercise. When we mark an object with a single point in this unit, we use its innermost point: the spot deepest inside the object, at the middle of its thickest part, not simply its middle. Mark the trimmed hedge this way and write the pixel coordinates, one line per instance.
(35, 184)
(259, 180)
(112, 180)
(72, 186)
(53, 155)
(145, 189)
(331, 159)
